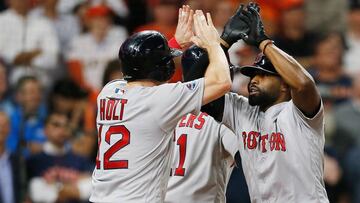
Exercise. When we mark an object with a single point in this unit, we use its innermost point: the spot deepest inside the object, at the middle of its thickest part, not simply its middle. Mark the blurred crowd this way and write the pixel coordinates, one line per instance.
(55, 56)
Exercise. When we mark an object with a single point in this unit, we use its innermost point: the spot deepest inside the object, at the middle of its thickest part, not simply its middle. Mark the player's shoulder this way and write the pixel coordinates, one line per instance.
(191, 85)
(119, 83)
(291, 110)
(240, 102)
(234, 97)
(113, 86)
(116, 82)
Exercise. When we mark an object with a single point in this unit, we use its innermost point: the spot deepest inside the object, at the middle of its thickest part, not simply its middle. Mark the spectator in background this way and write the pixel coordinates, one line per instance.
(9, 162)
(270, 12)
(324, 16)
(222, 12)
(165, 15)
(335, 185)
(352, 59)
(138, 13)
(292, 36)
(27, 119)
(80, 15)
(90, 52)
(328, 71)
(352, 172)
(86, 146)
(346, 140)
(347, 117)
(67, 6)
(5, 103)
(65, 25)
(28, 44)
(119, 7)
(113, 71)
(206, 5)
(58, 165)
(69, 98)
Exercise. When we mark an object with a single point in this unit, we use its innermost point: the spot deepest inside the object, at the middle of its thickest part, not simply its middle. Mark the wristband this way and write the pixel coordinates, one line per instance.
(174, 44)
(267, 43)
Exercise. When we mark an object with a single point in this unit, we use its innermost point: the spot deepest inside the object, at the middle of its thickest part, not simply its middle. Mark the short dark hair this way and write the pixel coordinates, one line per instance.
(48, 117)
(67, 88)
(320, 38)
(23, 80)
(111, 67)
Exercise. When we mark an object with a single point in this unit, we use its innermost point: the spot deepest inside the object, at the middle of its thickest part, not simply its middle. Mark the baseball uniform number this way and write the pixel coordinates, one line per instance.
(180, 171)
(124, 141)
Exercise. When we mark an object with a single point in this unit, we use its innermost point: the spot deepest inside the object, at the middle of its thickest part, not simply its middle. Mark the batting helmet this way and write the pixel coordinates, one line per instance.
(195, 61)
(262, 65)
(194, 58)
(146, 55)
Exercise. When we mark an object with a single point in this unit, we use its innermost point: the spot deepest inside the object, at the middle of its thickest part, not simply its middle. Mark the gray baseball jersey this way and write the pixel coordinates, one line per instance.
(202, 160)
(135, 128)
(281, 150)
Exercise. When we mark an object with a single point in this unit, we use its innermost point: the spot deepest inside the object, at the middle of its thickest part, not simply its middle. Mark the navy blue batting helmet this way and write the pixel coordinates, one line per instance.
(146, 55)
(196, 58)
(262, 65)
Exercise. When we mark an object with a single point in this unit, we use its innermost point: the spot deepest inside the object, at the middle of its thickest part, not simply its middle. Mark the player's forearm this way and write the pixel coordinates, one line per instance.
(288, 68)
(218, 69)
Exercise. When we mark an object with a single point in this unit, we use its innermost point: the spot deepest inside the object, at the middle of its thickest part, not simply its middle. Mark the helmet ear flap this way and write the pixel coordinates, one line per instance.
(163, 72)
(146, 55)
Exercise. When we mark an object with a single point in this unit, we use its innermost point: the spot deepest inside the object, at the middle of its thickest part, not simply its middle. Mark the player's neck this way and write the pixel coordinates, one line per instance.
(283, 98)
(144, 83)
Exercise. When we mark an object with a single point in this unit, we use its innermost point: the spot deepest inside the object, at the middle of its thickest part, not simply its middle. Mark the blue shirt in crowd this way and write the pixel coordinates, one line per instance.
(31, 128)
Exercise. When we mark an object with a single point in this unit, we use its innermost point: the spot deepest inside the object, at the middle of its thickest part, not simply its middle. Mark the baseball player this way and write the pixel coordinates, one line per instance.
(281, 123)
(203, 154)
(136, 119)
(204, 149)
(203, 159)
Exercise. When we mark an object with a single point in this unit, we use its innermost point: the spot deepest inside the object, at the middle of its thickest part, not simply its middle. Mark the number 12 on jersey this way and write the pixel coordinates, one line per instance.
(181, 142)
(114, 147)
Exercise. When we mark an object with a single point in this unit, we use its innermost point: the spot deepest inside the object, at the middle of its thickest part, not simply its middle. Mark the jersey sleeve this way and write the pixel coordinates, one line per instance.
(175, 100)
(229, 140)
(232, 102)
(316, 122)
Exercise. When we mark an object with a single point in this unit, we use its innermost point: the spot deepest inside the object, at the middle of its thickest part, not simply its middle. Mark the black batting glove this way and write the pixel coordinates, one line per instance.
(256, 33)
(234, 26)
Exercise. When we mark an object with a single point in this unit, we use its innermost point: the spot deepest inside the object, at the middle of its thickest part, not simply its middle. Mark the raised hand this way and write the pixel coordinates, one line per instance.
(234, 26)
(256, 33)
(184, 30)
(206, 35)
(255, 6)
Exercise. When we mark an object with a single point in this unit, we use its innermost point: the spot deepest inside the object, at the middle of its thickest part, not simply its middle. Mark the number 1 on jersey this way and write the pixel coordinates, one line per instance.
(180, 171)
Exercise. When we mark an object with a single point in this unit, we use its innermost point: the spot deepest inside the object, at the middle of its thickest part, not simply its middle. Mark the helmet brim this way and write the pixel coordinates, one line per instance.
(251, 71)
(175, 52)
